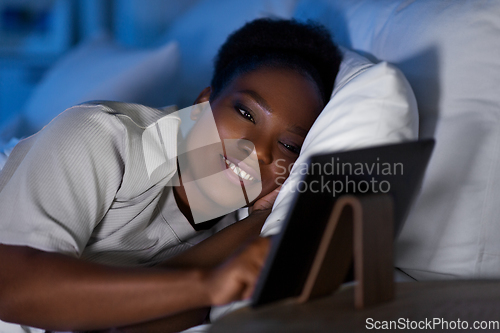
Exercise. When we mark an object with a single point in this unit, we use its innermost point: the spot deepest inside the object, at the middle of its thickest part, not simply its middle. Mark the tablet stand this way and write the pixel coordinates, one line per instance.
(361, 227)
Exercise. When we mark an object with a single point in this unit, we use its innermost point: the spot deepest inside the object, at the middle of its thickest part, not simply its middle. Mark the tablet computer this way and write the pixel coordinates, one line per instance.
(395, 169)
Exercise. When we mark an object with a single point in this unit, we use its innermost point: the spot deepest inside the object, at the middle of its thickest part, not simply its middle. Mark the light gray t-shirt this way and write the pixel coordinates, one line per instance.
(80, 186)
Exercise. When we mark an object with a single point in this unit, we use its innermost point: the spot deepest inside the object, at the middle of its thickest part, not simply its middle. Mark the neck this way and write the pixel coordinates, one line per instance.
(182, 202)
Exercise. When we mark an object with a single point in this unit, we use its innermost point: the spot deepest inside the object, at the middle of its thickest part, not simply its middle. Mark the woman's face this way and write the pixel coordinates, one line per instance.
(263, 116)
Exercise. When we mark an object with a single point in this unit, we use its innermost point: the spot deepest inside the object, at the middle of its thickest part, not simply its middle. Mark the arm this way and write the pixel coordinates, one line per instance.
(57, 292)
(171, 324)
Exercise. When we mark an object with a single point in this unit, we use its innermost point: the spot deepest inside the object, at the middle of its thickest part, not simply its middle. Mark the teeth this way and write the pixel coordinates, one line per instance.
(238, 171)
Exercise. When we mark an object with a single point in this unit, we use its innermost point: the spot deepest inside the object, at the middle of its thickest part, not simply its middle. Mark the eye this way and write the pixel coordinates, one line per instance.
(292, 148)
(245, 114)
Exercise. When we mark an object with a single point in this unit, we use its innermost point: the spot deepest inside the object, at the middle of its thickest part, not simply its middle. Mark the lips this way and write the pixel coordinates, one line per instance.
(240, 169)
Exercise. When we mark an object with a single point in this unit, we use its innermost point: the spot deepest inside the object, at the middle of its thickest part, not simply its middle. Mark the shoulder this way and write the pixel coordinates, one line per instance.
(101, 122)
(109, 111)
(141, 115)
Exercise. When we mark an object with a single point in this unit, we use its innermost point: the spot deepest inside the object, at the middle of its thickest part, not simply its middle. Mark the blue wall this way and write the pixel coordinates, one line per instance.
(35, 34)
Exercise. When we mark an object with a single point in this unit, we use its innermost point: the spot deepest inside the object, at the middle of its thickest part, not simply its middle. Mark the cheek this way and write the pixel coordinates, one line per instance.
(225, 123)
(205, 130)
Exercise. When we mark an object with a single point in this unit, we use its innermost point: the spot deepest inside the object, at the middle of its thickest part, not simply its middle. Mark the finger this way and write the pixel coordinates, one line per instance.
(249, 286)
(278, 189)
(271, 196)
(262, 246)
(258, 250)
(247, 293)
(267, 201)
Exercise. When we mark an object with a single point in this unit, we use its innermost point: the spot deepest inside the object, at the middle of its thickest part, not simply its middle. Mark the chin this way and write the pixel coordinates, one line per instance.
(228, 196)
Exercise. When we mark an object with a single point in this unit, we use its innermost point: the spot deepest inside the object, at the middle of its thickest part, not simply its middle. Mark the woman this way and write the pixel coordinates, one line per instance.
(80, 198)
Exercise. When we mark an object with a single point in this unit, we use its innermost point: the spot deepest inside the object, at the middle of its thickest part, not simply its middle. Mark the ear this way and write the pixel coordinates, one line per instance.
(204, 96)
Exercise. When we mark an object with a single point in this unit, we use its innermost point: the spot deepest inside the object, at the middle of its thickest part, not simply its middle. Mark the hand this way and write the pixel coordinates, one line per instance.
(236, 278)
(266, 202)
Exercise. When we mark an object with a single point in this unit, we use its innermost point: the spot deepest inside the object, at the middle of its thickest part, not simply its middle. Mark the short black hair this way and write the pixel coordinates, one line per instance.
(268, 42)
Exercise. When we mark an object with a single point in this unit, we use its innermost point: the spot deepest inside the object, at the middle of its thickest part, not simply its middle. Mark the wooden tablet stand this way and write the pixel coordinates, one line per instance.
(360, 226)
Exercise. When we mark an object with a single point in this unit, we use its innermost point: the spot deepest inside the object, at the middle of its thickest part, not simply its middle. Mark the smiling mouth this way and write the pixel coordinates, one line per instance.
(237, 170)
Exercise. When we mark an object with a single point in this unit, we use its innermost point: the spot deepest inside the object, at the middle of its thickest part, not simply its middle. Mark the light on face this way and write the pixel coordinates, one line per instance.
(225, 175)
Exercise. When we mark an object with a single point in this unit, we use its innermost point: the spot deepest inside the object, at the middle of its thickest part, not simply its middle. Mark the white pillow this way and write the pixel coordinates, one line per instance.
(204, 28)
(100, 70)
(449, 51)
(370, 105)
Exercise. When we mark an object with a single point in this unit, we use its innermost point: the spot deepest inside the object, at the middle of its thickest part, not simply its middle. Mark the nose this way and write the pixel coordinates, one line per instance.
(262, 150)
(246, 146)
(264, 157)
